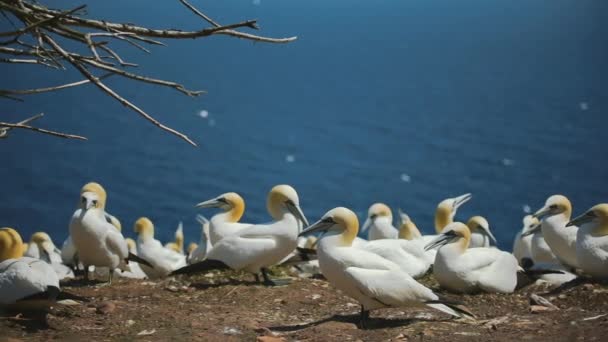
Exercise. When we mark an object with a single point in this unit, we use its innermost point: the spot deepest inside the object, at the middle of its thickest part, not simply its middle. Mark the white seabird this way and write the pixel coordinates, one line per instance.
(554, 216)
(98, 243)
(592, 241)
(199, 253)
(460, 269)
(481, 236)
(367, 277)
(163, 260)
(42, 247)
(24, 278)
(379, 223)
(447, 209)
(259, 246)
(178, 244)
(227, 222)
(522, 245)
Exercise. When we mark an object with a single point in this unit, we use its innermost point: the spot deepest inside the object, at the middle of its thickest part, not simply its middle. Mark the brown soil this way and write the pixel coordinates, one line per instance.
(230, 306)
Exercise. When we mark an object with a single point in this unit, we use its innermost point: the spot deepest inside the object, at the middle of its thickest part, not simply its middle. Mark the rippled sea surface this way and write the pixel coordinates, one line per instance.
(404, 102)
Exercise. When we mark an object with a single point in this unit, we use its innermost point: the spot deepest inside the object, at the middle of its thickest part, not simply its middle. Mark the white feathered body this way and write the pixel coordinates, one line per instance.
(163, 260)
(475, 269)
(258, 246)
(409, 255)
(592, 252)
(382, 228)
(23, 277)
(561, 239)
(97, 242)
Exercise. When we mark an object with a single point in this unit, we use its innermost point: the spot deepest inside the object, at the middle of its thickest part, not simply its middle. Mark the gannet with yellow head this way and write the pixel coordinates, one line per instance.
(227, 222)
(163, 260)
(592, 241)
(178, 244)
(259, 246)
(446, 210)
(379, 223)
(409, 231)
(481, 236)
(23, 278)
(98, 242)
(461, 269)
(68, 250)
(554, 216)
(42, 247)
(522, 245)
(367, 277)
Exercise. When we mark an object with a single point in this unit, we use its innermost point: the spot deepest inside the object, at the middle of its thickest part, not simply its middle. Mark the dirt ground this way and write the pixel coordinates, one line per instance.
(231, 307)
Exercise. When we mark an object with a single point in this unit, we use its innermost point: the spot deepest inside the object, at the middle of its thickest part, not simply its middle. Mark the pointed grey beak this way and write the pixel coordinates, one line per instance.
(580, 220)
(202, 219)
(531, 230)
(322, 225)
(403, 217)
(367, 224)
(217, 202)
(297, 212)
(489, 234)
(462, 199)
(542, 212)
(442, 239)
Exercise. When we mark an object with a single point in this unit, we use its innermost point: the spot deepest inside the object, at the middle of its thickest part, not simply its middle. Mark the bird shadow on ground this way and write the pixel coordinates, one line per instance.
(30, 323)
(234, 282)
(80, 282)
(372, 323)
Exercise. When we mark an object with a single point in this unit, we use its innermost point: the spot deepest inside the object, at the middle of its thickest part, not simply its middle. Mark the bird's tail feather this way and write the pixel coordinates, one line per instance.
(67, 295)
(135, 258)
(451, 308)
(203, 266)
(301, 255)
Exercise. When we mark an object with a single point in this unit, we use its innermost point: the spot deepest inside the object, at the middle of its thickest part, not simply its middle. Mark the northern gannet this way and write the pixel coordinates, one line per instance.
(379, 223)
(592, 241)
(446, 210)
(42, 247)
(227, 222)
(522, 245)
(178, 244)
(68, 250)
(259, 246)
(136, 271)
(163, 260)
(23, 278)
(98, 243)
(554, 216)
(409, 231)
(465, 270)
(481, 236)
(199, 253)
(367, 277)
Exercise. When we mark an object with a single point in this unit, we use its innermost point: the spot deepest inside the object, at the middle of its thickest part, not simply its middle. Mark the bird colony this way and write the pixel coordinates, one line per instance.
(377, 264)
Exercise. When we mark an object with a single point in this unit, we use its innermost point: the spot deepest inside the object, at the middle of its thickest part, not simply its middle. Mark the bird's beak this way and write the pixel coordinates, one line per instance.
(462, 199)
(403, 218)
(89, 205)
(47, 249)
(531, 230)
(580, 220)
(542, 212)
(322, 225)
(217, 202)
(442, 239)
(367, 224)
(297, 212)
(490, 235)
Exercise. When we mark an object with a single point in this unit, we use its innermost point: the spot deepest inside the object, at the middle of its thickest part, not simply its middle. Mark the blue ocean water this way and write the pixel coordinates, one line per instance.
(404, 102)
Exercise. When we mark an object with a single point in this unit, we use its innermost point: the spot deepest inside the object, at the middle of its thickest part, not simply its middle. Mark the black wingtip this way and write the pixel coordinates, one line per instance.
(203, 266)
(135, 258)
(67, 295)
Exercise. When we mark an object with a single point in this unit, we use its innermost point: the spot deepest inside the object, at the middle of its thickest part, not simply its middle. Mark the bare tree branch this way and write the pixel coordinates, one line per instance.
(48, 89)
(5, 127)
(46, 33)
(111, 92)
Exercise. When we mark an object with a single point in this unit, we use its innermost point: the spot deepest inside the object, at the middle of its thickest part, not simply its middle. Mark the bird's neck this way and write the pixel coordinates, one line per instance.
(232, 215)
(409, 231)
(443, 217)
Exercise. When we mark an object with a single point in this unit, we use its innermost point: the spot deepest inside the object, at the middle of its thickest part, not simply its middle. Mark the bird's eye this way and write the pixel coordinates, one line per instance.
(553, 206)
(83, 200)
(95, 203)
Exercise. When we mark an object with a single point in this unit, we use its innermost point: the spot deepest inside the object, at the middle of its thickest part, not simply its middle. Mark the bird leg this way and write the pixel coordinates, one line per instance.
(257, 277)
(110, 275)
(273, 282)
(86, 273)
(363, 318)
